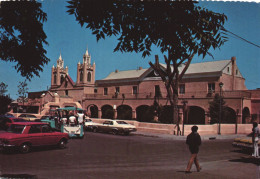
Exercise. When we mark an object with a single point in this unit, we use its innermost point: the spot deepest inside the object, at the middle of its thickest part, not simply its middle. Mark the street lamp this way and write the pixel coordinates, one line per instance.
(220, 106)
(184, 102)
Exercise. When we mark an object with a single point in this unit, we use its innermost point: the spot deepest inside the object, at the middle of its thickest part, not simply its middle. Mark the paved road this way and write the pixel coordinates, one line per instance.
(135, 156)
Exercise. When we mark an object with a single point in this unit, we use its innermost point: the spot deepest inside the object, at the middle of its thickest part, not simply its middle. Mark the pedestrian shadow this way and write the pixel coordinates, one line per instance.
(252, 160)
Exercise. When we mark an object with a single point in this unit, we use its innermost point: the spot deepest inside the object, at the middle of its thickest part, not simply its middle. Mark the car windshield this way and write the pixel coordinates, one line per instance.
(18, 129)
(88, 120)
(121, 122)
(19, 120)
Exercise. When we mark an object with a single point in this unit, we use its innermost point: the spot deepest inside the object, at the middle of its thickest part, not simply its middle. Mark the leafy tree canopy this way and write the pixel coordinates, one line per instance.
(181, 28)
(22, 36)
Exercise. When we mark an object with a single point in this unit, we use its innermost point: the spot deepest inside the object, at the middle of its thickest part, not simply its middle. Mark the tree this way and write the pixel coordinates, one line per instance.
(22, 36)
(214, 109)
(3, 88)
(5, 100)
(180, 29)
(22, 91)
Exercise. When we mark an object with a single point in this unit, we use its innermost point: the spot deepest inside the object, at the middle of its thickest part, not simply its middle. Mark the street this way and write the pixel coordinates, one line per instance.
(135, 156)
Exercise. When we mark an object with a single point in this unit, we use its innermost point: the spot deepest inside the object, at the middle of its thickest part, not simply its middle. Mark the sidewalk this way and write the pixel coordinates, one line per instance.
(203, 137)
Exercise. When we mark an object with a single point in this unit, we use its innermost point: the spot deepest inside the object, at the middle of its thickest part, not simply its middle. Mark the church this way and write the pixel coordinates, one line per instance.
(128, 94)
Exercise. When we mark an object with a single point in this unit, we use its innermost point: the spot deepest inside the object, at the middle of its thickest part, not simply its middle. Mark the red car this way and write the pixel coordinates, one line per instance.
(25, 135)
(5, 121)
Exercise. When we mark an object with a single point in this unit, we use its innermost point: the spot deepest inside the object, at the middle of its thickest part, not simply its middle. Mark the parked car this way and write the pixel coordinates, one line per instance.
(89, 124)
(28, 117)
(25, 135)
(5, 122)
(245, 143)
(115, 127)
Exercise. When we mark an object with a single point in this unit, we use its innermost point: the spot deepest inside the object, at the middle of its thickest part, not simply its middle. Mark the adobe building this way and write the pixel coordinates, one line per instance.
(127, 94)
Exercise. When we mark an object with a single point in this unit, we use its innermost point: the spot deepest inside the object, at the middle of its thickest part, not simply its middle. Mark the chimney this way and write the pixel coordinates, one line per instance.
(140, 68)
(116, 71)
(233, 60)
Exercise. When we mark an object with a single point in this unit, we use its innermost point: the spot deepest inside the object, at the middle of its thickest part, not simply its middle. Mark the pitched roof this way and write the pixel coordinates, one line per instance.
(125, 74)
(194, 68)
(206, 67)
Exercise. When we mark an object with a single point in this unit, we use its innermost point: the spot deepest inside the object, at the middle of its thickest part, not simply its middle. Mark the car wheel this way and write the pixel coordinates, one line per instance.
(25, 148)
(114, 132)
(62, 144)
(94, 129)
(126, 133)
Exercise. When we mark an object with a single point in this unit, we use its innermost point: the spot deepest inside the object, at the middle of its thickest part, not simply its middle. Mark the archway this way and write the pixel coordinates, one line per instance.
(166, 114)
(141, 112)
(196, 115)
(229, 116)
(124, 112)
(246, 116)
(92, 109)
(107, 112)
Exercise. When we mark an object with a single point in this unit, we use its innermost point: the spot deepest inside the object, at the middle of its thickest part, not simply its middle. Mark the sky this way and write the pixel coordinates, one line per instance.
(66, 37)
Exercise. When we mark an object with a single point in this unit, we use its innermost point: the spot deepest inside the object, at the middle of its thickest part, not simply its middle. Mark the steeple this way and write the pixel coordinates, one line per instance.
(87, 57)
(60, 62)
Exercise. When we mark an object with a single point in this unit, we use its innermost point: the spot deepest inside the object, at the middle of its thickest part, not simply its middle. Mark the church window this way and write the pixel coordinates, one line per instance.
(134, 89)
(182, 88)
(211, 87)
(157, 91)
(89, 77)
(55, 79)
(61, 79)
(81, 76)
(66, 92)
(105, 91)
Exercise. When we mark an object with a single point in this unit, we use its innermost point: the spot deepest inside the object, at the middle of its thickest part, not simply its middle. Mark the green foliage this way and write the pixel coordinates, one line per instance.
(22, 90)
(22, 36)
(181, 27)
(4, 102)
(3, 89)
(214, 109)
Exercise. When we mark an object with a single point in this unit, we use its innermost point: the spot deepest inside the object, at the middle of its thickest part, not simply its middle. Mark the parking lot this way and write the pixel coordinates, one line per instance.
(138, 155)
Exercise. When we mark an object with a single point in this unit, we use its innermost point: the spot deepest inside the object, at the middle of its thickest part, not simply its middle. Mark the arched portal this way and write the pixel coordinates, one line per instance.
(107, 112)
(124, 112)
(140, 112)
(246, 116)
(166, 114)
(196, 115)
(229, 116)
(92, 110)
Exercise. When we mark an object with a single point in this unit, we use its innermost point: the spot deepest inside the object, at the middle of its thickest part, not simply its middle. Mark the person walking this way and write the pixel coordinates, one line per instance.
(255, 139)
(193, 141)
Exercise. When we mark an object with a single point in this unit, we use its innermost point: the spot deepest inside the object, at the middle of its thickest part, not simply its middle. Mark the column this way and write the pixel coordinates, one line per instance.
(99, 113)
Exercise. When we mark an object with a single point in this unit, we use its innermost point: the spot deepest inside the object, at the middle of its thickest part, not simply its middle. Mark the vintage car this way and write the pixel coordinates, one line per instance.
(25, 135)
(89, 124)
(28, 117)
(115, 127)
(5, 122)
(245, 143)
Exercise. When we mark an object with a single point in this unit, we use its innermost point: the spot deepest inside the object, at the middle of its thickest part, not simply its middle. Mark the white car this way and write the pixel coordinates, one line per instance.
(89, 124)
(115, 127)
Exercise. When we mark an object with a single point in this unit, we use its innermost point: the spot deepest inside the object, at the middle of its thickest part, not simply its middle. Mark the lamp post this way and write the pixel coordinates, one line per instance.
(236, 120)
(184, 114)
(220, 106)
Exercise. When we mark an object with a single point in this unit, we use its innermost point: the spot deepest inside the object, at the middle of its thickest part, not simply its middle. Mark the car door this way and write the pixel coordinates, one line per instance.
(35, 135)
(49, 137)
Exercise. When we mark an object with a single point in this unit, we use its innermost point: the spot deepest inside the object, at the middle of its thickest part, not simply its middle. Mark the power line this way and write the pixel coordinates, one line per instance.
(240, 37)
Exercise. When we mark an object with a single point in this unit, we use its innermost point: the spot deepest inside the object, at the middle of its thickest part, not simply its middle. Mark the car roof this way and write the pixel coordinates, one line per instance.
(29, 123)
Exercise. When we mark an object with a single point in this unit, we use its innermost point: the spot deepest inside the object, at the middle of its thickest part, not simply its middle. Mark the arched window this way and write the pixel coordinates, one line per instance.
(55, 79)
(89, 77)
(81, 76)
(61, 79)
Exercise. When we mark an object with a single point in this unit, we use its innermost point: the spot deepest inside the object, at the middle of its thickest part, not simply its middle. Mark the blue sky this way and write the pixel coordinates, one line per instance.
(67, 37)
